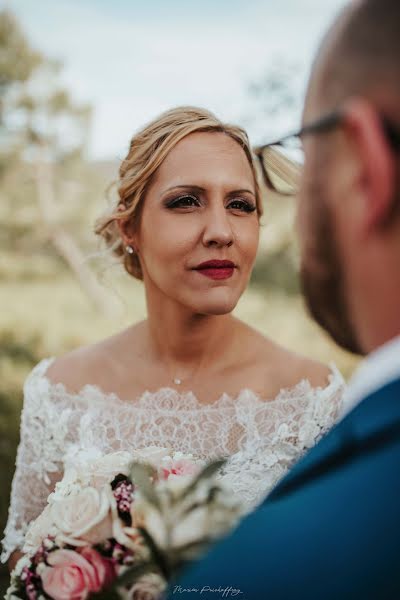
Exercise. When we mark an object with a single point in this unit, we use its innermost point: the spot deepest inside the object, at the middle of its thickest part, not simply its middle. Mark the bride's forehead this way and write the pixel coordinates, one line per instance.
(202, 159)
(203, 147)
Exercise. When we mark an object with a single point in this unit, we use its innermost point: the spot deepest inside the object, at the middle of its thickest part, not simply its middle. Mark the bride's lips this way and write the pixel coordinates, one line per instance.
(216, 269)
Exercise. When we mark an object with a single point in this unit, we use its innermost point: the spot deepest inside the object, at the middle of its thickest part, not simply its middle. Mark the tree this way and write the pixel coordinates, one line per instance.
(44, 136)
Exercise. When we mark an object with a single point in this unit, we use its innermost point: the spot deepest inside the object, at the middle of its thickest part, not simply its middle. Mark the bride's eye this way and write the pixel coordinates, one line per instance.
(242, 205)
(186, 201)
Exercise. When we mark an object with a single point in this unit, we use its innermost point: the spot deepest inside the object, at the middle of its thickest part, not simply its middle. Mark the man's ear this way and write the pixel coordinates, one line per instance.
(377, 161)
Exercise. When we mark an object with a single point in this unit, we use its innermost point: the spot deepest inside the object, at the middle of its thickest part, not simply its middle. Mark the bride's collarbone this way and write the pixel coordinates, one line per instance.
(262, 371)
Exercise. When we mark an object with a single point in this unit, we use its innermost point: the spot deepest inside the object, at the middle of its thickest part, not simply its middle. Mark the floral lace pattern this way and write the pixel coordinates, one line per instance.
(262, 439)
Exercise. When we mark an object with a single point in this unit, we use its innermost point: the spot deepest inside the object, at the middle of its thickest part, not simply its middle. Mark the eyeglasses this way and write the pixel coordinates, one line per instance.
(282, 160)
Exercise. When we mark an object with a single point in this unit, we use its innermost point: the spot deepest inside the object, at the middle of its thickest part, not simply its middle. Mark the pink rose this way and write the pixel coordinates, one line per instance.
(104, 567)
(179, 467)
(72, 575)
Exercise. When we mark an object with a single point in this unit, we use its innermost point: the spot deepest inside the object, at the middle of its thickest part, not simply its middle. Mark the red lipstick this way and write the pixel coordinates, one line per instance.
(216, 269)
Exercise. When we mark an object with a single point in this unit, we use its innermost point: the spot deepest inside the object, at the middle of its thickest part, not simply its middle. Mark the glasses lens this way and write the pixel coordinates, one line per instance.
(282, 164)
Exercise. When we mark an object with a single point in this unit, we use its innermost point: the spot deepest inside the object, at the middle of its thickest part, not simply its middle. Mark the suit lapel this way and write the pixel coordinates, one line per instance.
(375, 421)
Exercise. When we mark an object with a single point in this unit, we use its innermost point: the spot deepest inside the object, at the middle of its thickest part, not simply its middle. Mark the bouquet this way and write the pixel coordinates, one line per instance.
(122, 525)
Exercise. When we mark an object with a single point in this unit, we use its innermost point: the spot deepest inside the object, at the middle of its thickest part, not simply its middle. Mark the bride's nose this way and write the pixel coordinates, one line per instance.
(218, 229)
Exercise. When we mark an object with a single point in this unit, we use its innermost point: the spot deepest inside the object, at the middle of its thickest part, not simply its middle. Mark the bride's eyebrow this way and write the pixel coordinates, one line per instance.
(242, 191)
(188, 186)
(198, 188)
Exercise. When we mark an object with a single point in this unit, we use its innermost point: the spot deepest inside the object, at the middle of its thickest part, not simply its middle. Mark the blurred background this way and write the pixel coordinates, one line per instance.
(77, 78)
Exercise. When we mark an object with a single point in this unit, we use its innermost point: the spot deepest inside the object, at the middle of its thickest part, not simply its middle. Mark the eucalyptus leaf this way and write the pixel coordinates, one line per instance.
(159, 556)
(134, 573)
(206, 473)
(189, 551)
(212, 493)
(139, 474)
(200, 542)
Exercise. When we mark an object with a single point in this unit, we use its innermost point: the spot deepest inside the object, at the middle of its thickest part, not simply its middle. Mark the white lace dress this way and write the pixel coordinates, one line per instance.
(262, 438)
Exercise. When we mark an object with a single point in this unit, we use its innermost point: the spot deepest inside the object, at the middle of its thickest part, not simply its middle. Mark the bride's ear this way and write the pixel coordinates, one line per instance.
(126, 230)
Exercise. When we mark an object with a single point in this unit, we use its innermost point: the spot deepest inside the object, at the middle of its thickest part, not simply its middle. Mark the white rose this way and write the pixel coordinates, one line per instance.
(91, 467)
(83, 517)
(152, 455)
(103, 470)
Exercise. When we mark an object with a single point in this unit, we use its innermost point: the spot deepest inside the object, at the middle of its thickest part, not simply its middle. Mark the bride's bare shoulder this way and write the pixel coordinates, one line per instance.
(285, 366)
(95, 364)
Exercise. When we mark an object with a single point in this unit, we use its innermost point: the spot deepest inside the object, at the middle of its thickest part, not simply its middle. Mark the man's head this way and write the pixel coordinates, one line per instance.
(349, 202)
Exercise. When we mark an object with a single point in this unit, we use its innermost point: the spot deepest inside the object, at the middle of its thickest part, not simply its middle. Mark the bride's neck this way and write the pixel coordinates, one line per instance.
(187, 338)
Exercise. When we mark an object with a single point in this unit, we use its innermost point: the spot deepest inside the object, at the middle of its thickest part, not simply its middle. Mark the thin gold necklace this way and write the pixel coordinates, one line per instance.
(179, 380)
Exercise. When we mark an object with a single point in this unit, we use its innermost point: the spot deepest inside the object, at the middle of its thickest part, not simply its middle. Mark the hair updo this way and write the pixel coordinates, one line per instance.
(148, 148)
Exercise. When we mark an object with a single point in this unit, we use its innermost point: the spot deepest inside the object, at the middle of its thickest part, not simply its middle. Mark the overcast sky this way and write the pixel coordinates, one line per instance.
(131, 59)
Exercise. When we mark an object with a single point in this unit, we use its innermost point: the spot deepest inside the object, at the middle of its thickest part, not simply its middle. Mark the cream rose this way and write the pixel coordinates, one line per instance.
(83, 517)
(90, 467)
(152, 455)
(103, 471)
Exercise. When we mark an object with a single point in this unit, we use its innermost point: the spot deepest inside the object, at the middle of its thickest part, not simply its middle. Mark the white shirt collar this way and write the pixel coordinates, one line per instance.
(381, 367)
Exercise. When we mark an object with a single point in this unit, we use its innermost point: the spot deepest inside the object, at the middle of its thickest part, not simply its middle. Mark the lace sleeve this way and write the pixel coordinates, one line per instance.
(43, 433)
(282, 431)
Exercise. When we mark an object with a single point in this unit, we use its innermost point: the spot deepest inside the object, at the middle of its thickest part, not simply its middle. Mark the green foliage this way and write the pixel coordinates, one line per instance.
(17, 59)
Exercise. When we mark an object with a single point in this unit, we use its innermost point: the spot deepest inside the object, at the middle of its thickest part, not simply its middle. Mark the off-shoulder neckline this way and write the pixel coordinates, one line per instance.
(186, 400)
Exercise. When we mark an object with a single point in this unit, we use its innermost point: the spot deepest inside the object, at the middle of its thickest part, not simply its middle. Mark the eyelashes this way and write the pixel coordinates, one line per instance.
(185, 201)
(191, 201)
(243, 205)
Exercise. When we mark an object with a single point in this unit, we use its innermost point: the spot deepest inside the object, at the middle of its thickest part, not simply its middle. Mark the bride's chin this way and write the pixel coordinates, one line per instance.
(217, 311)
(215, 306)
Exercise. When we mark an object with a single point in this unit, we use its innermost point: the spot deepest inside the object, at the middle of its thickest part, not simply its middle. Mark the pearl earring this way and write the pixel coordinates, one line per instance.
(129, 249)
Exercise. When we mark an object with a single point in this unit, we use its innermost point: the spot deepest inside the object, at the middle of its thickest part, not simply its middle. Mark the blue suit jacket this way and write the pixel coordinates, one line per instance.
(330, 529)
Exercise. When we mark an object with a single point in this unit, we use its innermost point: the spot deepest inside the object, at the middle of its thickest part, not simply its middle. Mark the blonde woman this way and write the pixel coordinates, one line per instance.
(191, 376)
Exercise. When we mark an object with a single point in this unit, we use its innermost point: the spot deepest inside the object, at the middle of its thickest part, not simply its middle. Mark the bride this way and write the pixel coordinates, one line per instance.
(191, 376)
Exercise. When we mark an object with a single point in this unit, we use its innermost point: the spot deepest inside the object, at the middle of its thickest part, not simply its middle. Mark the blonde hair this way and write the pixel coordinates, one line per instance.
(148, 148)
